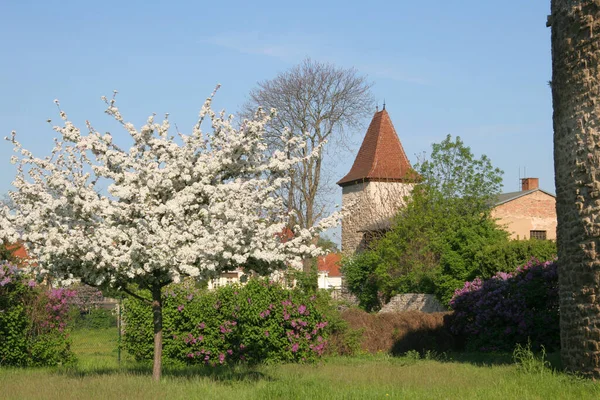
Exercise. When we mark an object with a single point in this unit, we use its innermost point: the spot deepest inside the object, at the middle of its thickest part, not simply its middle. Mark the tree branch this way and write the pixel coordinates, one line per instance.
(135, 295)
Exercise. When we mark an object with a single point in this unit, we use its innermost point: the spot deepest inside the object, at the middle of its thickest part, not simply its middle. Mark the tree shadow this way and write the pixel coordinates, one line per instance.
(441, 344)
(428, 339)
(482, 359)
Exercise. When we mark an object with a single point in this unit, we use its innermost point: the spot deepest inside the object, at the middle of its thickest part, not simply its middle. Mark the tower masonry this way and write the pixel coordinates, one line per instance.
(376, 186)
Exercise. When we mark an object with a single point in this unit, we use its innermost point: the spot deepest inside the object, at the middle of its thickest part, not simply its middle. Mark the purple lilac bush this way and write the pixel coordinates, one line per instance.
(510, 308)
(32, 321)
(255, 323)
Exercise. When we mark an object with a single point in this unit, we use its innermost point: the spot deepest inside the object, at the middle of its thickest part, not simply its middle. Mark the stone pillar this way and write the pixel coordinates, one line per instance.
(575, 94)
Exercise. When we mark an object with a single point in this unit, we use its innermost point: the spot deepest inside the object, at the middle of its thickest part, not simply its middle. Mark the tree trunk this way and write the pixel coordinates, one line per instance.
(575, 95)
(307, 264)
(157, 320)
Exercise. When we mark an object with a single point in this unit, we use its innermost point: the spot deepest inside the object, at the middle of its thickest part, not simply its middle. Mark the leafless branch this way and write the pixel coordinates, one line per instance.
(318, 100)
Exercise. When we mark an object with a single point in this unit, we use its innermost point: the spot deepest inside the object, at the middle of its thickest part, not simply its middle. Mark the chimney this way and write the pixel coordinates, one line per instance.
(529, 183)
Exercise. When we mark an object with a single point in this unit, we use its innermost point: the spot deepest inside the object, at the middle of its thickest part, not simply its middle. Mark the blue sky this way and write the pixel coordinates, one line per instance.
(476, 69)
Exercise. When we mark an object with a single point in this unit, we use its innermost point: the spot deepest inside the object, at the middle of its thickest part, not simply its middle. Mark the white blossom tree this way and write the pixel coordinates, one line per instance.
(176, 206)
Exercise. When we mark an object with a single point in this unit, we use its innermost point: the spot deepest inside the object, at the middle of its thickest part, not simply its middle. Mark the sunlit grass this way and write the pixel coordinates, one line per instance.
(98, 375)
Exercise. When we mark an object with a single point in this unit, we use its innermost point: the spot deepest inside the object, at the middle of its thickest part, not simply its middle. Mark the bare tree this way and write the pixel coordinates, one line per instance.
(575, 95)
(318, 100)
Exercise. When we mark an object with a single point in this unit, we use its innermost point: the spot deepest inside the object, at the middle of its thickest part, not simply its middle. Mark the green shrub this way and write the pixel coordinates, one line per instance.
(361, 278)
(258, 322)
(95, 318)
(506, 256)
(32, 322)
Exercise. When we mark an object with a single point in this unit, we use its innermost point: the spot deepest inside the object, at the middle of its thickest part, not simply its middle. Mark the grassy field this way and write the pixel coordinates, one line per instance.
(98, 375)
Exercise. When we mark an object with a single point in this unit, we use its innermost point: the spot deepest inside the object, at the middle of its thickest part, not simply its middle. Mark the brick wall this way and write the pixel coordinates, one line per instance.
(535, 211)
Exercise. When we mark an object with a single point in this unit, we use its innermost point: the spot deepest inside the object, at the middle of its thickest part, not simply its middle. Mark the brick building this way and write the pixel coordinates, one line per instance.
(529, 213)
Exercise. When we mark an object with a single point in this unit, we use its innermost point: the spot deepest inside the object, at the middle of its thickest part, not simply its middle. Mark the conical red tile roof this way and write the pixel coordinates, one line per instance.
(381, 156)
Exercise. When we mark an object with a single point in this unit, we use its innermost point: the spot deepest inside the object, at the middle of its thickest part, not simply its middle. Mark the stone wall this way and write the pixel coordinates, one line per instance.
(369, 203)
(535, 211)
(576, 100)
(413, 302)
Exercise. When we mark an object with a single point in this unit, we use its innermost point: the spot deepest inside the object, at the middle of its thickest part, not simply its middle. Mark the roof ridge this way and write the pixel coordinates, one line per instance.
(510, 196)
(381, 155)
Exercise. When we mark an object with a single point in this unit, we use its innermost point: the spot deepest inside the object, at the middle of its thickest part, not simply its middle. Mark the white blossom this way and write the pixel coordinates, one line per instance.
(172, 207)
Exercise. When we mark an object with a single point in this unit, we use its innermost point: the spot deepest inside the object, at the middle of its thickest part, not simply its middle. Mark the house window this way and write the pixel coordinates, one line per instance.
(540, 235)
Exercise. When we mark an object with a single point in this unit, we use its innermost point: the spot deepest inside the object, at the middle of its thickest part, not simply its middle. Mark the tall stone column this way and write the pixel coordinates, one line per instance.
(575, 94)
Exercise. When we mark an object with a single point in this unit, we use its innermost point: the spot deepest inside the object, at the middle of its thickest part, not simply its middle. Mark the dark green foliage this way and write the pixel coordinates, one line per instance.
(306, 282)
(327, 244)
(95, 318)
(506, 256)
(361, 278)
(257, 322)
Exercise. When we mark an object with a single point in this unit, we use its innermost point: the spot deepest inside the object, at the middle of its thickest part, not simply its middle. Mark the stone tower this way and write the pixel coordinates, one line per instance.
(376, 186)
(576, 99)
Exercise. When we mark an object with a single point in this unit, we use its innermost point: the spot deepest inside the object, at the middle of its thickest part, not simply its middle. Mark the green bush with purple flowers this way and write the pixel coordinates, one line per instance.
(509, 309)
(255, 323)
(33, 321)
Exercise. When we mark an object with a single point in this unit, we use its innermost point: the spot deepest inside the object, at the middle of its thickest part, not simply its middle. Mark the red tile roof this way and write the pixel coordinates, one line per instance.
(330, 264)
(18, 250)
(285, 235)
(381, 155)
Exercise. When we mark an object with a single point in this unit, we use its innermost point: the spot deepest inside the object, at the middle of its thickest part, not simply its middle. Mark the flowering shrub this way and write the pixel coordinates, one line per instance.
(86, 311)
(510, 308)
(258, 322)
(86, 297)
(32, 321)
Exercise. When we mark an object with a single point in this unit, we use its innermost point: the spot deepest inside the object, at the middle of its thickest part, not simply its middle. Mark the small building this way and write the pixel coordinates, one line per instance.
(330, 276)
(529, 213)
(376, 186)
(226, 278)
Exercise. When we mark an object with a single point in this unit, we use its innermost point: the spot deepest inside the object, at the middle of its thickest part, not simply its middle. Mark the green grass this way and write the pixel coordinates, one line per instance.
(97, 348)
(461, 376)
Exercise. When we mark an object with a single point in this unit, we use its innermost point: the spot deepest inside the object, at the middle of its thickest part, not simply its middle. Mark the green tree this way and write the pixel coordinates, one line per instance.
(435, 240)
(328, 245)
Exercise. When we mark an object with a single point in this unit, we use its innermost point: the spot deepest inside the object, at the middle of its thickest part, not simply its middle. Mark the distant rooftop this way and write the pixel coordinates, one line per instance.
(330, 264)
(506, 197)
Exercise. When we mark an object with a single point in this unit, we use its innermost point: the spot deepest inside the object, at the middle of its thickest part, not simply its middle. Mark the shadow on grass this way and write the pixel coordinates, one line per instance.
(217, 373)
(500, 358)
(427, 338)
(437, 342)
